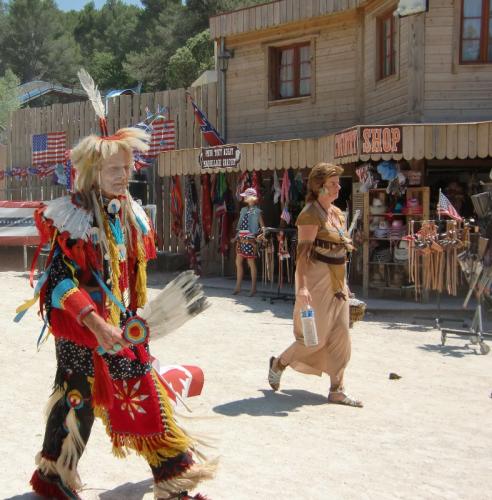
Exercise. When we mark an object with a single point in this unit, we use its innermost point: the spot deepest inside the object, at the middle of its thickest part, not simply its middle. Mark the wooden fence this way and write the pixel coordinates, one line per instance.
(78, 120)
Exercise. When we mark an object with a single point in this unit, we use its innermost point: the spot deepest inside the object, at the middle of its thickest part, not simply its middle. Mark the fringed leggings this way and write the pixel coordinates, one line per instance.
(69, 422)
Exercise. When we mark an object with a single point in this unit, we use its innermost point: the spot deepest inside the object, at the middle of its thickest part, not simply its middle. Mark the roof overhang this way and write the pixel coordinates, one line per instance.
(273, 14)
(437, 141)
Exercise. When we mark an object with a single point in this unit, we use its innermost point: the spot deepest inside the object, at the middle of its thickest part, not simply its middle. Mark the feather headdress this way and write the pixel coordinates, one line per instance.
(95, 97)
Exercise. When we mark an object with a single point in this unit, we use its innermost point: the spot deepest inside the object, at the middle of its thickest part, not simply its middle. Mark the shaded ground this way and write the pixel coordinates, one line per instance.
(427, 435)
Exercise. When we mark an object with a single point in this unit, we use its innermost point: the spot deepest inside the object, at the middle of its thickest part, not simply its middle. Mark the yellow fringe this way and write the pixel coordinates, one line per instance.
(156, 448)
(141, 281)
(114, 264)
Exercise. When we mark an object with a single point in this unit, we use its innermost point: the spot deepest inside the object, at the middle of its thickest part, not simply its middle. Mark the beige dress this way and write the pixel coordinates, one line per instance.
(332, 353)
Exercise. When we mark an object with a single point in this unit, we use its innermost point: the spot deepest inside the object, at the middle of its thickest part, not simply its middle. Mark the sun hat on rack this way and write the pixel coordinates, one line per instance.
(374, 224)
(413, 207)
(381, 255)
(249, 193)
(401, 251)
(377, 207)
(382, 230)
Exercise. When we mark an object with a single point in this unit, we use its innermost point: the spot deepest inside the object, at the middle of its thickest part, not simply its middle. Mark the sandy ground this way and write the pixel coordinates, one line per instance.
(428, 435)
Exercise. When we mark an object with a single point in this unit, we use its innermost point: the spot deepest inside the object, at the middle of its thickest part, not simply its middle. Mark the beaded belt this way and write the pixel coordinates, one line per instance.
(336, 261)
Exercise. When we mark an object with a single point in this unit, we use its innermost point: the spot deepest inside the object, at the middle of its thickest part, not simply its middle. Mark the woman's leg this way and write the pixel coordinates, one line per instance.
(239, 273)
(254, 274)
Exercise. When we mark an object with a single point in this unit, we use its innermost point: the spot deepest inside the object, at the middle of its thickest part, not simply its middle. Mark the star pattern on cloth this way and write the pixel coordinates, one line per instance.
(130, 398)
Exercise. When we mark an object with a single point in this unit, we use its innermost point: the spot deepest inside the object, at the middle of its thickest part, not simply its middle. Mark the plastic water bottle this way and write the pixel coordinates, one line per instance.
(309, 327)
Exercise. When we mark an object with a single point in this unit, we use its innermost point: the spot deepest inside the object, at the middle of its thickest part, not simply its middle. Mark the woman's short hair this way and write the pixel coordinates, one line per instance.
(317, 177)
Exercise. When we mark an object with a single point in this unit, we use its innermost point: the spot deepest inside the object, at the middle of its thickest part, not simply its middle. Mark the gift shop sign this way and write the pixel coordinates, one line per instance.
(368, 140)
(385, 140)
(347, 143)
(220, 157)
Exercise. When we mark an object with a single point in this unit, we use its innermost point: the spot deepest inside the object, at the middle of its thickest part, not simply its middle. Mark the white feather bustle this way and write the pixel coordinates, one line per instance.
(67, 216)
(179, 301)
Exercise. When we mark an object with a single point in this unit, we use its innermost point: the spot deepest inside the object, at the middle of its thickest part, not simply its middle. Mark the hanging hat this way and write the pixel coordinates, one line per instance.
(387, 170)
(398, 207)
(401, 251)
(249, 193)
(413, 207)
(377, 207)
(374, 222)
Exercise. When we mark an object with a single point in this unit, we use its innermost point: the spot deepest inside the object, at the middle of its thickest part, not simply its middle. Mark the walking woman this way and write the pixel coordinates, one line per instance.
(320, 282)
(248, 227)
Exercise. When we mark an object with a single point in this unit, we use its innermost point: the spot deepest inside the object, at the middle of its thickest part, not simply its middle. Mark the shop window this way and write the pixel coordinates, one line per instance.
(386, 46)
(290, 71)
(476, 32)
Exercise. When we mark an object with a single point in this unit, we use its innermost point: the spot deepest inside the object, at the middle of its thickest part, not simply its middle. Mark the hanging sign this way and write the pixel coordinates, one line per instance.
(383, 140)
(220, 157)
(347, 143)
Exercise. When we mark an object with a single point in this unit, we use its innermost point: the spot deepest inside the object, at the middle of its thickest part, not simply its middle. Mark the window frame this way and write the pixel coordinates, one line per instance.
(275, 52)
(485, 18)
(381, 45)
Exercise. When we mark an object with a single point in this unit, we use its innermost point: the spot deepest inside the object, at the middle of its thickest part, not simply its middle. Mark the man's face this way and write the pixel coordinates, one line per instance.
(115, 174)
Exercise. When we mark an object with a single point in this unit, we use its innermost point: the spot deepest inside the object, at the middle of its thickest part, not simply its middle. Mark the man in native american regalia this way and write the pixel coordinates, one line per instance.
(95, 281)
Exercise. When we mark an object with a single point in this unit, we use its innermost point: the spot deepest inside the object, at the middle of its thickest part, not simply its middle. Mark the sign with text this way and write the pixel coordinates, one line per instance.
(220, 157)
(347, 143)
(383, 140)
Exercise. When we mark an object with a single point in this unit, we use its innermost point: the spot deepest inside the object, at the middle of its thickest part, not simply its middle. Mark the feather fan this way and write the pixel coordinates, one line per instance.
(92, 92)
(178, 302)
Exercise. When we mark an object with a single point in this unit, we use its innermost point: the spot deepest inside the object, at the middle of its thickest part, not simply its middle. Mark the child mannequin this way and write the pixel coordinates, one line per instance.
(248, 227)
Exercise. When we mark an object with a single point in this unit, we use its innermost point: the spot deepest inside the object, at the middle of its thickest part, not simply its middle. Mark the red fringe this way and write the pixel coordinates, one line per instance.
(142, 353)
(149, 244)
(47, 489)
(102, 390)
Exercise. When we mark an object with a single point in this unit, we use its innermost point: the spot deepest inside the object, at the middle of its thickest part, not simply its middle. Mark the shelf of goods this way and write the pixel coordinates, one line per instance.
(385, 224)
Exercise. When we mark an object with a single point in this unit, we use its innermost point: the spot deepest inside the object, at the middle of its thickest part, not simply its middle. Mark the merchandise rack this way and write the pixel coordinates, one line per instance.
(423, 195)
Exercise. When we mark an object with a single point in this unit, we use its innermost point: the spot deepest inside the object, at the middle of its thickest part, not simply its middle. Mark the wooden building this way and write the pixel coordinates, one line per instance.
(295, 74)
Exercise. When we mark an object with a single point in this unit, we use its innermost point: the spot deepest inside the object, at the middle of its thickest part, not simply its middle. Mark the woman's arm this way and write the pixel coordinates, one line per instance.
(306, 235)
(262, 222)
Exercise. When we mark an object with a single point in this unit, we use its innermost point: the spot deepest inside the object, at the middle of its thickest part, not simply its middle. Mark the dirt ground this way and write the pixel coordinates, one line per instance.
(427, 435)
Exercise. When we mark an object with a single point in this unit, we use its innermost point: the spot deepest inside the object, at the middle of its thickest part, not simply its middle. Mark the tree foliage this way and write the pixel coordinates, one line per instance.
(164, 44)
(9, 101)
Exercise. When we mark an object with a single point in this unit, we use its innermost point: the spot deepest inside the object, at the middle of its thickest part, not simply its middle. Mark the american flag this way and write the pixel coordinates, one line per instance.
(211, 135)
(163, 137)
(444, 207)
(48, 149)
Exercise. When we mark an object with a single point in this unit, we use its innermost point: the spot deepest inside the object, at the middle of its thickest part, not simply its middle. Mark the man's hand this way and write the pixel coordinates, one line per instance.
(107, 335)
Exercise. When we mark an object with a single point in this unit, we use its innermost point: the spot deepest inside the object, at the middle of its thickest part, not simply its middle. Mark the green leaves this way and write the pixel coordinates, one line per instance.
(190, 61)
(9, 101)
(165, 44)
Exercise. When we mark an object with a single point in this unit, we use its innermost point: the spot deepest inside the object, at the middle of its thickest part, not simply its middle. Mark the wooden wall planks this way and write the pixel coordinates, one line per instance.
(78, 119)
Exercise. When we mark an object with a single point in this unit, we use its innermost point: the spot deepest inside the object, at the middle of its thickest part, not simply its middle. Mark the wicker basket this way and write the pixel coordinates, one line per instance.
(357, 310)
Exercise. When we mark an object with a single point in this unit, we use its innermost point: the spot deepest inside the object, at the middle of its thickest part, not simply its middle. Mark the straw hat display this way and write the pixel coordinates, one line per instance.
(377, 207)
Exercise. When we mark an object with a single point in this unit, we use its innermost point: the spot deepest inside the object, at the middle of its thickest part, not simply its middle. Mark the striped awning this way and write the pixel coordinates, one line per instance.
(442, 141)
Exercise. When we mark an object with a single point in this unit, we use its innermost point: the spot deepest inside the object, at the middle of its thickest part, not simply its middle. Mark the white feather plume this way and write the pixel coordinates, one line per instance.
(178, 302)
(92, 92)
